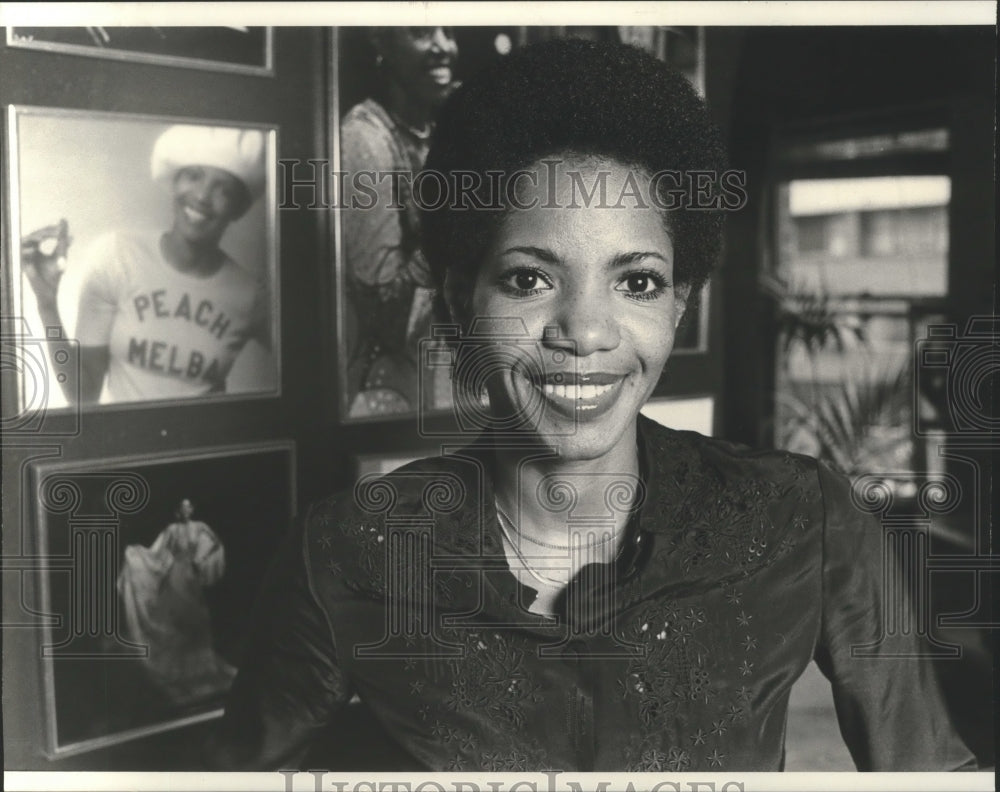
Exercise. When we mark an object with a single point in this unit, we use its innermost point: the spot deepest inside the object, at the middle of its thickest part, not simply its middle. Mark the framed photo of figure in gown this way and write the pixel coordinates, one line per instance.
(150, 565)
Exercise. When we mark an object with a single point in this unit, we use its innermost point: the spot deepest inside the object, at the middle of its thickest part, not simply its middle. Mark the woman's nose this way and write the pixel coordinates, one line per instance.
(201, 190)
(584, 326)
(441, 41)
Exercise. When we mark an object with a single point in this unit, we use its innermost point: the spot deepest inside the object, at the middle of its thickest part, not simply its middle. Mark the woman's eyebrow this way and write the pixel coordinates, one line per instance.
(543, 254)
(628, 259)
(617, 262)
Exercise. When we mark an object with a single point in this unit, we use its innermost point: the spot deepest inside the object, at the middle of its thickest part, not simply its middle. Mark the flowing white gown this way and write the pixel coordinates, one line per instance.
(162, 588)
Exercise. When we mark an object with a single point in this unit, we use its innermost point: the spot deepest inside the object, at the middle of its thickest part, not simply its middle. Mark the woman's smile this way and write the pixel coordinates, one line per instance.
(578, 395)
(195, 216)
(206, 201)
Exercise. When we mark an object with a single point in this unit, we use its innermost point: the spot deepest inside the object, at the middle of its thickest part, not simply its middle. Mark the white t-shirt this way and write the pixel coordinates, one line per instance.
(170, 334)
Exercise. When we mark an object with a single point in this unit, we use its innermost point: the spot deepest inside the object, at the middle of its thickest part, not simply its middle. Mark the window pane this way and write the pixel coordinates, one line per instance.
(855, 260)
(878, 236)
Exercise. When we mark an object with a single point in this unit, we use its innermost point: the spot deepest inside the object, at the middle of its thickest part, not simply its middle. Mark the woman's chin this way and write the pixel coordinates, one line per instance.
(577, 437)
(588, 443)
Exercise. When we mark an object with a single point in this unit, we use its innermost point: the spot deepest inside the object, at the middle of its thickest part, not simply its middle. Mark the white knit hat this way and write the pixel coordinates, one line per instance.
(239, 151)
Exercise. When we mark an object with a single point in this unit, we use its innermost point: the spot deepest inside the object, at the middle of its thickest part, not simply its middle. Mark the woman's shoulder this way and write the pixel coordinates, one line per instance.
(367, 137)
(366, 113)
(434, 481)
(119, 246)
(350, 532)
(727, 458)
(365, 125)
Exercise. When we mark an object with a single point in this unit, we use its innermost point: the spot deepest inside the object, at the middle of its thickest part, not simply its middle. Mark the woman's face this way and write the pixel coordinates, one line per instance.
(420, 59)
(206, 201)
(593, 284)
(186, 509)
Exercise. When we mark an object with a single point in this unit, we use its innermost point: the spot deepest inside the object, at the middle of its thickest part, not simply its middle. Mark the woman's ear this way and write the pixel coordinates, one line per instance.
(682, 291)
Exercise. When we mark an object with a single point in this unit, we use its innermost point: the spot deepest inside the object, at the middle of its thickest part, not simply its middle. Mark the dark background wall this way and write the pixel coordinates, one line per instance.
(757, 81)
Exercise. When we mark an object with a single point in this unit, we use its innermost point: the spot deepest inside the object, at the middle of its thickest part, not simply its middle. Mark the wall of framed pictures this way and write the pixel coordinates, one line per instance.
(109, 134)
(255, 370)
(277, 372)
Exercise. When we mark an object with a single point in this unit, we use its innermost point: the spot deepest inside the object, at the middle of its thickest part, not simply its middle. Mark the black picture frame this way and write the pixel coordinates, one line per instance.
(237, 50)
(144, 613)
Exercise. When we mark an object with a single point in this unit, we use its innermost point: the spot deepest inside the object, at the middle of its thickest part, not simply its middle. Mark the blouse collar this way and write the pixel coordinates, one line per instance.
(665, 457)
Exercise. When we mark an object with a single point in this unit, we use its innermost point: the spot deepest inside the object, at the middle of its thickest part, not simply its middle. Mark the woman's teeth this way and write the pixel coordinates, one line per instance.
(576, 391)
(194, 215)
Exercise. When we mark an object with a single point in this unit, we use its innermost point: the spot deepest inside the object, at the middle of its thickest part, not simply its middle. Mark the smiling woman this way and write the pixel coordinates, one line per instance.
(580, 588)
(160, 314)
(603, 278)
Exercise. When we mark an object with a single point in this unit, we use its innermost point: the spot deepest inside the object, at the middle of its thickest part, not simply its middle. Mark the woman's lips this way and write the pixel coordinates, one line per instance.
(577, 395)
(440, 74)
(194, 216)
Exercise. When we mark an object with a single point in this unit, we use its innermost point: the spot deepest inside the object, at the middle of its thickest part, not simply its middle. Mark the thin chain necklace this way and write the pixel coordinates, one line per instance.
(540, 543)
(543, 579)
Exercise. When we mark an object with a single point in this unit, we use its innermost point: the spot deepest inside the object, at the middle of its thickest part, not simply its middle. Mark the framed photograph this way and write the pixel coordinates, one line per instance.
(384, 295)
(150, 564)
(144, 253)
(244, 50)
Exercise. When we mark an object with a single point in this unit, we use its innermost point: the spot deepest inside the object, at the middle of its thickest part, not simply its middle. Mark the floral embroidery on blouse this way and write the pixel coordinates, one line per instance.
(674, 665)
(491, 677)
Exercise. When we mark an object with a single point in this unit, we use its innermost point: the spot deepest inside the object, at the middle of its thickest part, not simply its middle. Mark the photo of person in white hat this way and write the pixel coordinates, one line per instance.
(161, 314)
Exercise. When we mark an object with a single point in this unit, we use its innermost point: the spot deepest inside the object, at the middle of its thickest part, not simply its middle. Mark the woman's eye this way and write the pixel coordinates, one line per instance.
(643, 285)
(525, 281)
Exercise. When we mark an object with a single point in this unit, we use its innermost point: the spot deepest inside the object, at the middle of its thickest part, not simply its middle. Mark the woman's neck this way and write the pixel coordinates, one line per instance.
(411, 110)
(550, 498)
(186, 256)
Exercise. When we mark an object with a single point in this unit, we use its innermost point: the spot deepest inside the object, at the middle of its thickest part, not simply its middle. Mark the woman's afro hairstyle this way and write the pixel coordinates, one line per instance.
(569, 96)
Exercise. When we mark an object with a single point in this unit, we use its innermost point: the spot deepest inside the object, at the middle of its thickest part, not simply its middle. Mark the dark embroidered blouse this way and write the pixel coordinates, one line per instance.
(740, 568)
